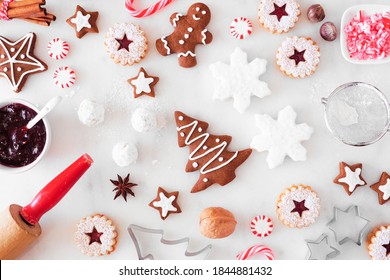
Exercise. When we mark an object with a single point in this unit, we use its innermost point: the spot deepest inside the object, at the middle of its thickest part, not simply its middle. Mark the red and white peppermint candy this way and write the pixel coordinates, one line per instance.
(64, 77)
(148, 11)
(240, 28)
(58, 49)
(256, 249)
(262, 226)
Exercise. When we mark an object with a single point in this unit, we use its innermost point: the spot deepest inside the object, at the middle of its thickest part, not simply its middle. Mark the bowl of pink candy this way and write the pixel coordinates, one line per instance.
(365, 34)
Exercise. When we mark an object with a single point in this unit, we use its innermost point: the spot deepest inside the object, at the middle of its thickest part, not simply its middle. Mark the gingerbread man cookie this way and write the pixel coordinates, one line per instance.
(190, 30)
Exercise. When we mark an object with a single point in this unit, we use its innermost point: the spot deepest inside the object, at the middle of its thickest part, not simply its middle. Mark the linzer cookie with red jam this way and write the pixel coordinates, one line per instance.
(298, 206)
(126, 43)
(298, 57)
(96, 235)
(378, 243)
(278, 16)
(208, 153)
(17, 60)
(190, 30)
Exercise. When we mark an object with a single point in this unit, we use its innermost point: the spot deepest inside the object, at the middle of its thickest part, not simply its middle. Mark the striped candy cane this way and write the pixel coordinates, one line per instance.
(256, 249)
(148, 11)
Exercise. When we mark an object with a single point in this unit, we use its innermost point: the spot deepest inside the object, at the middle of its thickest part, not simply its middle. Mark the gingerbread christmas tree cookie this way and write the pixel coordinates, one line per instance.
(190, 30)
(208, 153)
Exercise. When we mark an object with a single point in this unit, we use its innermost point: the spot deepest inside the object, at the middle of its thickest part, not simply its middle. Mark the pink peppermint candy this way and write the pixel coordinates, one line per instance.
(58, 49)
(64, 77)
(256, 249)
(368, 37)
(261, 226)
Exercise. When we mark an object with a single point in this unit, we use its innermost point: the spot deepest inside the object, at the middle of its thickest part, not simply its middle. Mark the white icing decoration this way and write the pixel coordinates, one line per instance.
(240, 79)
(190, 29)
(81, 21)
(375, 246)
(181, 42)
(142, 84)
(204, 12)
(281, 137)
(205, 180)
(200, 129)
(163, 39)
(186, 54)
(181, 118)
(220, 158)
(195, 165)
(221, 147)
(102, 225)
(204, 36)
(352, 178)
(37, 66)
(19, 69)
(186, 36)
(195, 17)
(385, 189)
(2, 56)
(286, 204)
(165, 203)
(304, 68)
(5, 69)
(12, 49)
(217, 140)
(182, 134)
(137, 48)
(271, 21)
(197, 9)
(22, 56)
(204, 147)
(174, 21)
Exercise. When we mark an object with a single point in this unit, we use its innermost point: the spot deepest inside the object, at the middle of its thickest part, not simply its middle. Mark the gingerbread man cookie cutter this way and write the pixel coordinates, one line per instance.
(357, 114)
(190, 30)
(344, 230)
(203, 253)
(321, 249)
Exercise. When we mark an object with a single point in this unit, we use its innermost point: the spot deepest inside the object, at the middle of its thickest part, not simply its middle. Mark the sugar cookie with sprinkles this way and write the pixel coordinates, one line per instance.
(378, 243)
(298, 57)
(298, 206)
(96, 235)
(278, 16)
(126, 43)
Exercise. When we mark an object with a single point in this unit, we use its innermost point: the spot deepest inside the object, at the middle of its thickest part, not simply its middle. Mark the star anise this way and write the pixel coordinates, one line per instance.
(123, 187)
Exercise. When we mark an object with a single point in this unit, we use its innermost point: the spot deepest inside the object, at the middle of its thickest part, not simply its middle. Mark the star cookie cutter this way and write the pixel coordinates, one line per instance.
(321, 249)
(204, 253)
(340, 227)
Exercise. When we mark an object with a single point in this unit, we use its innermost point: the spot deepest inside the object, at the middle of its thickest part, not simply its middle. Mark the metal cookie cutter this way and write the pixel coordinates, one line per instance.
(201, 254)
(348, 225)
(357, 113)
(321, 249)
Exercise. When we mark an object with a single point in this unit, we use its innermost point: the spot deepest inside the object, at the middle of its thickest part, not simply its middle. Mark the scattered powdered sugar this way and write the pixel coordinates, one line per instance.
(285, 205)
(304, 68)
(376, 249)
(271, 21)
(137, 48)
(102, 225)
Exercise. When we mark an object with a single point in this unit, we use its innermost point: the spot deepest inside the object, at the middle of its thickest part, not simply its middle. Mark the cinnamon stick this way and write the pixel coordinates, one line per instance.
(23, 11)
(40, 14)
(22, 3)
(36, 21)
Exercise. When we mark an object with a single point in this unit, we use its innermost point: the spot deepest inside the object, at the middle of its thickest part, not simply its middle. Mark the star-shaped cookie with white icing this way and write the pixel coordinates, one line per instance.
(165, 203)
(350, 177)
(382, 188)
(17, 60)
(143, 84)
(281, 137)
(83, 22)
(239, 80)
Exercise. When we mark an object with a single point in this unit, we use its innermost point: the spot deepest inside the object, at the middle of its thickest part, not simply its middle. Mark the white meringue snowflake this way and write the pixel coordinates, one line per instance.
(281, 137)
(240, 79)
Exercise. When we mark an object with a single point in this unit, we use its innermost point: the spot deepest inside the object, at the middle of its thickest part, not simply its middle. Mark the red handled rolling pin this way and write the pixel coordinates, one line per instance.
(19, 226)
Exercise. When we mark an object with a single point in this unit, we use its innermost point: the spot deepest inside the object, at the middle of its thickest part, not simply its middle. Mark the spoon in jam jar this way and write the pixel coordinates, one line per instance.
(20, 136)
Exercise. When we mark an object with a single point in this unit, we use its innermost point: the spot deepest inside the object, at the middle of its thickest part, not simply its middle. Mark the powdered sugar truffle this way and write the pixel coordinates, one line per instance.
(124, 153)
(91, 113)
(144, 120)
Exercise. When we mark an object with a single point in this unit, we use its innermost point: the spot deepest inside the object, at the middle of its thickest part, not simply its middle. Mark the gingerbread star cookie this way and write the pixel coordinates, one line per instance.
(17, 60)
(143, 84)
(165, 203)
(350, 177)
(382, 188)
(83, 22)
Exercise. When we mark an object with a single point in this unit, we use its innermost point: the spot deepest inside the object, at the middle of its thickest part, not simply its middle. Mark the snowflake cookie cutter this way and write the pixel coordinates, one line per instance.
(321, 249)
(340, 227)
(357, 114)
(204, 253)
